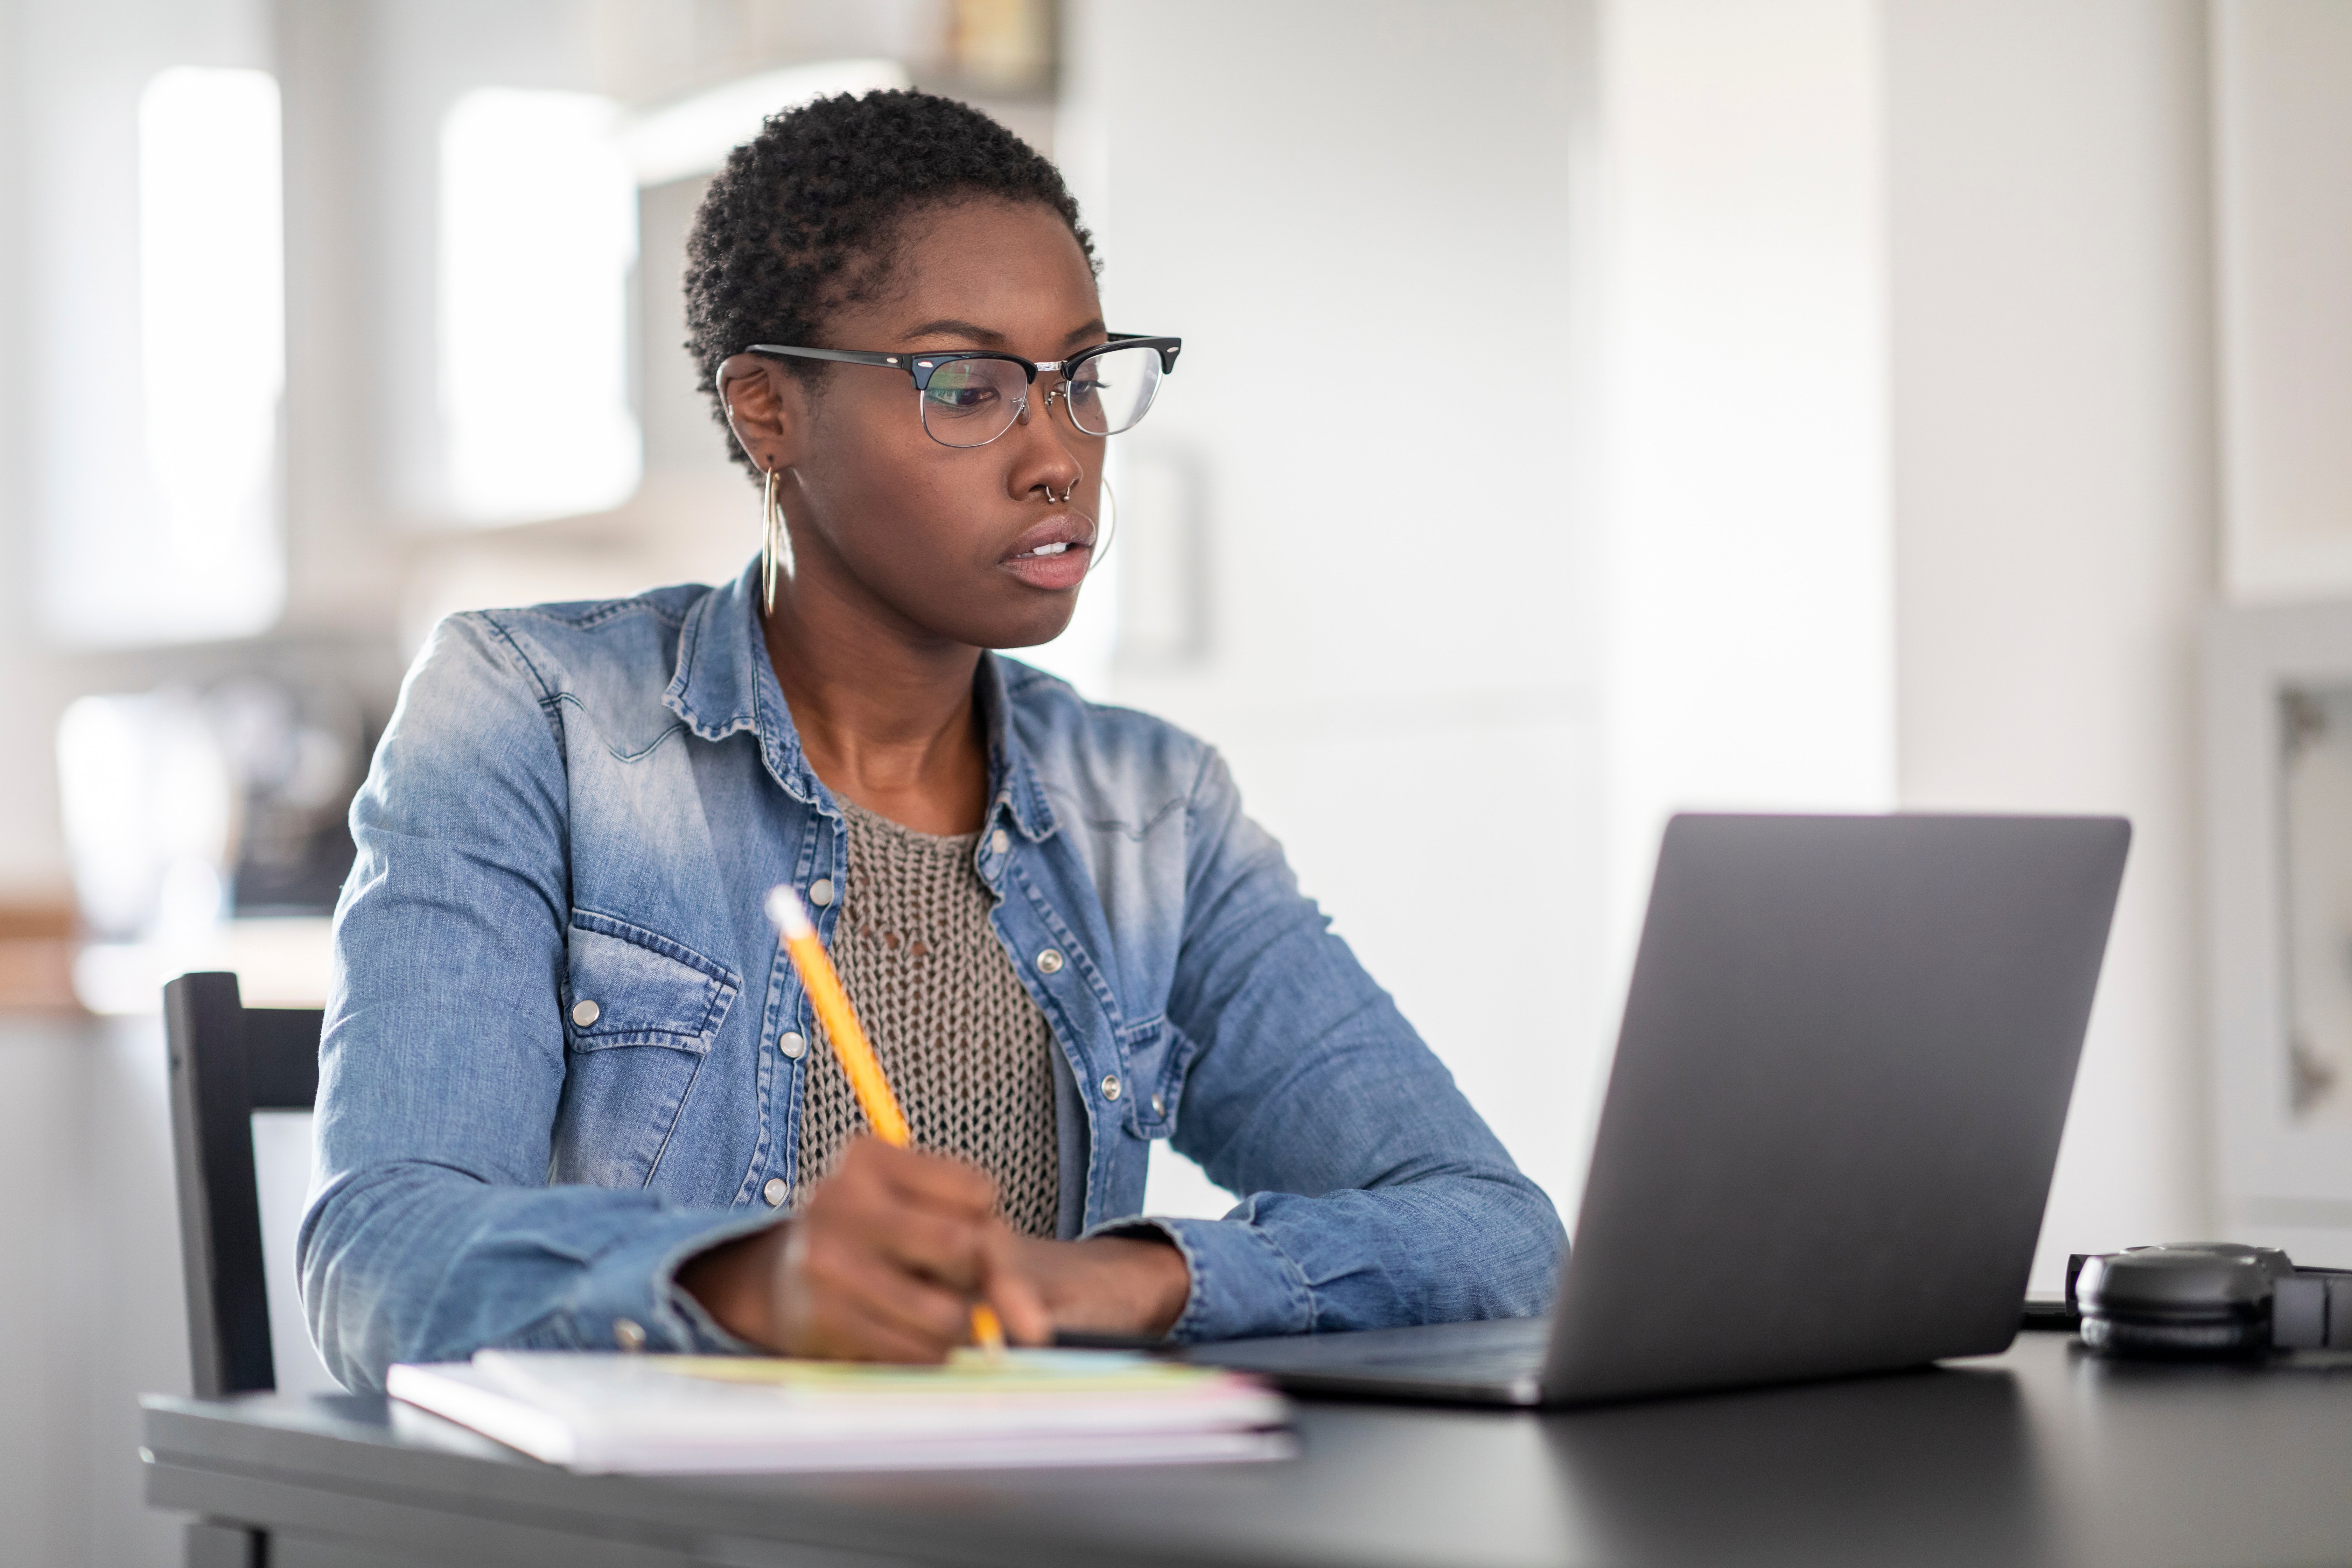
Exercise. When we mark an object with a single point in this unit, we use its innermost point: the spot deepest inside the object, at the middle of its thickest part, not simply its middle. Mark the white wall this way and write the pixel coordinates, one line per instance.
(1361, 219)
(1749, 612)
(2054, 493)
(28, 861)
(2283, 220)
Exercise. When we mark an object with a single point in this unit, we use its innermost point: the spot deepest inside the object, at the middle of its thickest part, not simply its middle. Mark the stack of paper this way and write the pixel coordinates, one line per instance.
(603, 1412)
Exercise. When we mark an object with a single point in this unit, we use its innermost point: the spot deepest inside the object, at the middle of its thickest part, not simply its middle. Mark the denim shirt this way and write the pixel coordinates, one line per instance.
(563, 1051)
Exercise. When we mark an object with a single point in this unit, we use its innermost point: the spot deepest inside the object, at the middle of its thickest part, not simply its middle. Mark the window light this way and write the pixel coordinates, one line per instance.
(212, 287)
(539, 235)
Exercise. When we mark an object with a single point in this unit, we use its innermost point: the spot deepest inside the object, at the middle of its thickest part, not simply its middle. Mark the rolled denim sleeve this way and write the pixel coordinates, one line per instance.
(433, 1230)
(1377, 1195)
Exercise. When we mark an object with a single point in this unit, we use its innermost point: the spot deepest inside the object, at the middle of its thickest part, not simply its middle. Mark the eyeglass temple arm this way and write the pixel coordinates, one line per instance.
(838, 356)
(919, 373)
(1169, 348)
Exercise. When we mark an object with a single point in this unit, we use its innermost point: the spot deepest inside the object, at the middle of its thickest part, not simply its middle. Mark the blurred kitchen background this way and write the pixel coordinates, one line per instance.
(1786, 403)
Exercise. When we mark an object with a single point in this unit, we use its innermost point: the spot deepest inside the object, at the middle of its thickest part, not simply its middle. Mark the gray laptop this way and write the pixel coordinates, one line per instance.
(1847, 1050)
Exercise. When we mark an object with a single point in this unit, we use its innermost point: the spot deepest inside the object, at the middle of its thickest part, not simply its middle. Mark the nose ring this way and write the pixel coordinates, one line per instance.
(1063, 498)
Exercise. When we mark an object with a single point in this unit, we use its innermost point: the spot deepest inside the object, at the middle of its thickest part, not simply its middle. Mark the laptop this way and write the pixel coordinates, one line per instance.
(1830, 1128)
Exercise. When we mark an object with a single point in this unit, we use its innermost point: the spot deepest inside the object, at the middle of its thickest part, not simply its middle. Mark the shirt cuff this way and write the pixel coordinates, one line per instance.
(1242, 1285)
(629, 1298)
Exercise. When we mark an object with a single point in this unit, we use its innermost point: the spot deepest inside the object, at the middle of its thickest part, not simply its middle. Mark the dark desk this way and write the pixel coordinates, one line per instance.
(2041, 1456)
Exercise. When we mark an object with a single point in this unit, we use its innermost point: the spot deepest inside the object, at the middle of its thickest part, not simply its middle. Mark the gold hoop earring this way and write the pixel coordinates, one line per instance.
(773, 545)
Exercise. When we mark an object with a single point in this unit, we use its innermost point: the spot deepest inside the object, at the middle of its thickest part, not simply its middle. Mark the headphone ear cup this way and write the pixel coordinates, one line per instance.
(2201, 1302)
(2157, 1339)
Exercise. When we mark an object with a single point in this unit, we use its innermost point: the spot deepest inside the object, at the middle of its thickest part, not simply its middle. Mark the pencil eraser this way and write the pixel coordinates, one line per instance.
(784, 911)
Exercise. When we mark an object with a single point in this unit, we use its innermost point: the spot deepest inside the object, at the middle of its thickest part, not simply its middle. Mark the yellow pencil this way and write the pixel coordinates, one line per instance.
(851, 1048)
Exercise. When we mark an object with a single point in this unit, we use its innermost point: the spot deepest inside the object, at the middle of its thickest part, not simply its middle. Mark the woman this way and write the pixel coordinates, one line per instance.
(570, 1092)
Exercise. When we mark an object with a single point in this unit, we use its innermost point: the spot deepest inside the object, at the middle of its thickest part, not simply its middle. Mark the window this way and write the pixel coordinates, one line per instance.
(538, 236)
(183, 542)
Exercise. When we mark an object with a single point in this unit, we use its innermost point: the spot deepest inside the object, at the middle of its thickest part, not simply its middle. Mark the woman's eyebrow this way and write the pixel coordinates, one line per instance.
(950, 327)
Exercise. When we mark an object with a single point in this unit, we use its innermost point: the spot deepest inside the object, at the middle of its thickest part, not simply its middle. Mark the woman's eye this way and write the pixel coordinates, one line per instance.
(963, 399)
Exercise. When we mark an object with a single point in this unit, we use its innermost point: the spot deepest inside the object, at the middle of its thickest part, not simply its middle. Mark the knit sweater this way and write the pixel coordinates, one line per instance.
(963, 1044)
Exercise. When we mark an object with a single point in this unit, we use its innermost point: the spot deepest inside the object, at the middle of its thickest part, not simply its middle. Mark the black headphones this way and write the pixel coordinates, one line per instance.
(2207, 1300)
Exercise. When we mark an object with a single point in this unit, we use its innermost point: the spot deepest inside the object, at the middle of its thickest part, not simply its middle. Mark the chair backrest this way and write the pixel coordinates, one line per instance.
(228, 1061)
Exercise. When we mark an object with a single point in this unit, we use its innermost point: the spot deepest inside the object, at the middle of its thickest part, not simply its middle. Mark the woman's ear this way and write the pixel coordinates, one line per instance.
(766, 408)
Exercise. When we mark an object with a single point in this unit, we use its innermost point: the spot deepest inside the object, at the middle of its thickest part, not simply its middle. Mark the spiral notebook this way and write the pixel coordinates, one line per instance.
(609, 1413)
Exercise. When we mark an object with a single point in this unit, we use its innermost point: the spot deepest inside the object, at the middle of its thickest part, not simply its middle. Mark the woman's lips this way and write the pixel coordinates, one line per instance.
(1055, 553)
(1061, 563)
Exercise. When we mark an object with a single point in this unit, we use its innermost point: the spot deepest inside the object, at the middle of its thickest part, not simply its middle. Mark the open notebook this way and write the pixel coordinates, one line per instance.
(605, 1412)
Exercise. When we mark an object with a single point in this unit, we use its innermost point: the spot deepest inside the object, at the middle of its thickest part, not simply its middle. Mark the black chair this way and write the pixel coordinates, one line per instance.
(228, 1061)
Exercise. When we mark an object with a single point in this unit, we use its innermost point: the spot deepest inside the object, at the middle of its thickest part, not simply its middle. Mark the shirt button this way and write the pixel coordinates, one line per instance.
(1110, 1085)
(793, 1044)
(1049, 963)
(999, 842)
(628, 1335)
(584, 1013)
(776, 1191)
(820, 892)
(1159, 1105)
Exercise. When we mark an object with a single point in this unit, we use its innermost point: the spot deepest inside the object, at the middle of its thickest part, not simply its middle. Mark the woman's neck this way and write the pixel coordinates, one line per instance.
(889, 720)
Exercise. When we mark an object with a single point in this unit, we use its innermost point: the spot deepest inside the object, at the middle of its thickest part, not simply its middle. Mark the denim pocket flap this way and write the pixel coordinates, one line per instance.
(1155, 1055)
(631, 986)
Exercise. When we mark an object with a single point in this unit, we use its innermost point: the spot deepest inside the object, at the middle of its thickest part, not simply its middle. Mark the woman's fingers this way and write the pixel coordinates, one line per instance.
(1020, 1306)
(853, 1302)
(929, 1181)
(889, 1255)
(925, 1227)
(952, 1252)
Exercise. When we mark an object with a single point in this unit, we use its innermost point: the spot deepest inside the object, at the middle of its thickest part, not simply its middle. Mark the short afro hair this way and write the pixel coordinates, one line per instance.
(802, 218)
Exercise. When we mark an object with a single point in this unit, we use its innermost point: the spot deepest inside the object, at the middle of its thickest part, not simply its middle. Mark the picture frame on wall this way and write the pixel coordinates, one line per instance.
(2278, 804)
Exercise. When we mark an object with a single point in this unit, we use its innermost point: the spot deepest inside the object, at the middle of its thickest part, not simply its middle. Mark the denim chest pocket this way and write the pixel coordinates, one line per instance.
(630, 986)
(1156, 1055)
(626, 986)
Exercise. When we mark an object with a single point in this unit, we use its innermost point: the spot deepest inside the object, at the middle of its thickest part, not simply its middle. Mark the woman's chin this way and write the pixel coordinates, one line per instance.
(1035, 630)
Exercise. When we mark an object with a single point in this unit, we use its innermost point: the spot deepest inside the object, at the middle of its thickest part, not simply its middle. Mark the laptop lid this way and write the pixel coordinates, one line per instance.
(1833, 1114)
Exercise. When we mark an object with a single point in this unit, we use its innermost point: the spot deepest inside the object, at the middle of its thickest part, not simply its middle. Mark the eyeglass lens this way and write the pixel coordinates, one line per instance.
(1112, 391)
(972, 402)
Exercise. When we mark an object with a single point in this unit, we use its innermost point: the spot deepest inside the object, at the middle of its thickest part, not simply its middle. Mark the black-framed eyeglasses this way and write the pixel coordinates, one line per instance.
(968, 397)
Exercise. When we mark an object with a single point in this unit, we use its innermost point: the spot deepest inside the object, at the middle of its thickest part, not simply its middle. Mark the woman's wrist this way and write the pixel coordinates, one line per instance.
(1167, 1277)
(735, 1283)
(1133, 1284)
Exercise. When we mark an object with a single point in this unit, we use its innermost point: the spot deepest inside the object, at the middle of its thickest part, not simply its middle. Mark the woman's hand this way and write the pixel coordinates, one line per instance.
(884, 1264)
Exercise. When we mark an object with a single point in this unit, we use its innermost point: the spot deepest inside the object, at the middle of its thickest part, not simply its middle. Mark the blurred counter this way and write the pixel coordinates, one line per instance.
(46, 969)
(36, 956)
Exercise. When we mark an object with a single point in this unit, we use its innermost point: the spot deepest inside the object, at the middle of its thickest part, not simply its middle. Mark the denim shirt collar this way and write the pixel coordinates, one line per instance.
(724, 683)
